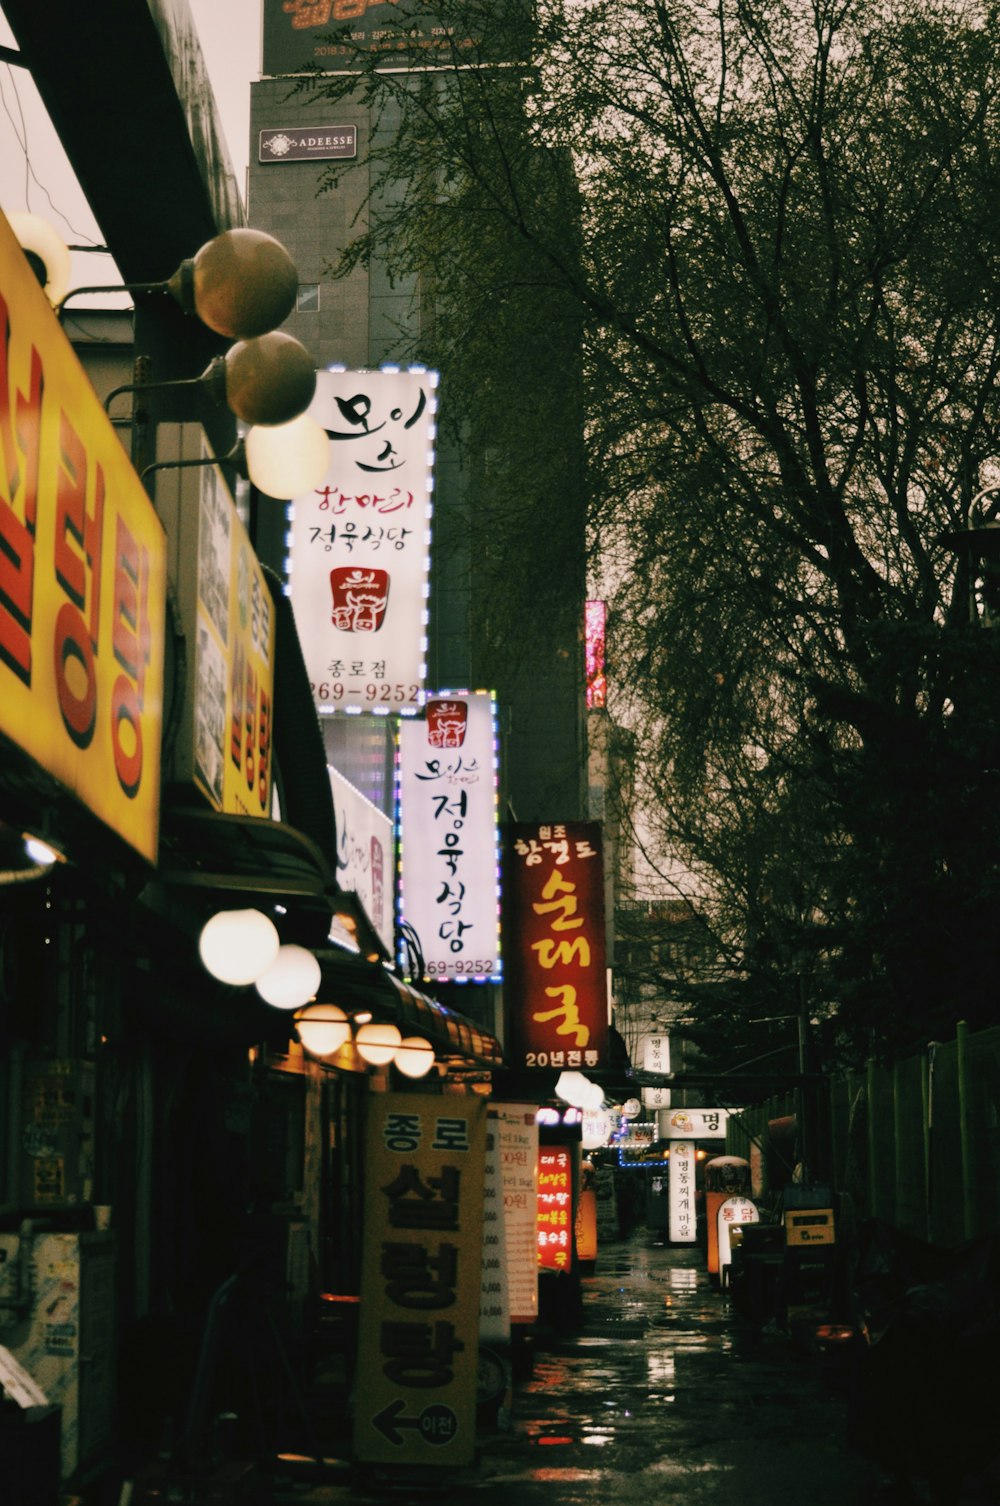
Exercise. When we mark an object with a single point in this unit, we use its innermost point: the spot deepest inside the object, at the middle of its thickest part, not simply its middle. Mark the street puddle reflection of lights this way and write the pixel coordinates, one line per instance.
(596, 1436)
(661, 1372)
(683, 1281)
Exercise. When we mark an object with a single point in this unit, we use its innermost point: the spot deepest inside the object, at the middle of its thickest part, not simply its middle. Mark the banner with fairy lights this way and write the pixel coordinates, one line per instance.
(449, 891)
(555, 950)
(359, 543)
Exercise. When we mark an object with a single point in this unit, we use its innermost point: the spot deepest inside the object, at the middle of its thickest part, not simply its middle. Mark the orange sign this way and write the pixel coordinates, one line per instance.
(418, 1338)
(82, 574)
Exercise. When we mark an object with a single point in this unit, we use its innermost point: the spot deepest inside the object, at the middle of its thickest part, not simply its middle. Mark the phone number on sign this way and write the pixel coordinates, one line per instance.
(374, 691)
(476, 969)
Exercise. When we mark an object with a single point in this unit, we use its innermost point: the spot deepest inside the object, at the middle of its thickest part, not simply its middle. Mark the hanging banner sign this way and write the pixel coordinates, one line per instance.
(555, 1208)
(82, 575)
(517, 1133)
(494, 1300)
(449, 858)
(365, 864)
(418, 1335)
(360, 542)
(683, 1222)
(655, 1055)
(554, 881)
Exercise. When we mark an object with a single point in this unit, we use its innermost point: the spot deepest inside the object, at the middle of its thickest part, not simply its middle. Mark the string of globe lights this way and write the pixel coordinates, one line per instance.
(242, 948)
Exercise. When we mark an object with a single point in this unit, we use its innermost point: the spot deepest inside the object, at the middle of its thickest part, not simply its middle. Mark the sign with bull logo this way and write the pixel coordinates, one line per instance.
(359, 560)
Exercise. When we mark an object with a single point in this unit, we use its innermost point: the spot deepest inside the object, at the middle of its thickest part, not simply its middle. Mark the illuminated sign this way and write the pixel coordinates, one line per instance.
(555, 953)
(82, 575)
(555, 1209)
(683, 1162)
(692, 1124)
(595, 617)
(360, 542)
(418, 1337)
(517, 1133)
(655, 1054)
(449, 858)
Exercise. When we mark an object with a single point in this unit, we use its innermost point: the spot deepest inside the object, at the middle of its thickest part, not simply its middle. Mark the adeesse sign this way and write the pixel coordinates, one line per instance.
(82, 574)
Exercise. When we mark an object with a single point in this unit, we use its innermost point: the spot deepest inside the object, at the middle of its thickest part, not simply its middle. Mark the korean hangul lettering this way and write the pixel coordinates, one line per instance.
(416, 1204)
(419, 1354)
(417, 1278)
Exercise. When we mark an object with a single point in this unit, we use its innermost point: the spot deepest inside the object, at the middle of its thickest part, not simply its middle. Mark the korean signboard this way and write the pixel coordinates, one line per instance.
(555, 1208)
(692, 1124)
(82, 575)
(359, 542)
(301, 33)
(655, 1057)
(556, 956)
(449, 858)
(223, 744)
(683, 1162)
(494, 1297)
(418, 1338)
(517, 1132)
(365, 859)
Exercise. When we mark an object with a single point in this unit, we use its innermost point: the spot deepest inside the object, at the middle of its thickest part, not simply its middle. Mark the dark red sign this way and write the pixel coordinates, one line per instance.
(554, 942)
(359, 598)
(555, 1209)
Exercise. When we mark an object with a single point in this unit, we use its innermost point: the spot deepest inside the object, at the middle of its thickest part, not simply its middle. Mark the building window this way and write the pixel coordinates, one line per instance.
(307, 298)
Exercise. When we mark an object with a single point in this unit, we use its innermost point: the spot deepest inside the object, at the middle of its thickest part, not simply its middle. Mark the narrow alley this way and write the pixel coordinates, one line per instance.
(660, 1394)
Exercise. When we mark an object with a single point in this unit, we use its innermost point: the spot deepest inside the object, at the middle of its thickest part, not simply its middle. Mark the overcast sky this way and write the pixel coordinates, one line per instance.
(34, 173)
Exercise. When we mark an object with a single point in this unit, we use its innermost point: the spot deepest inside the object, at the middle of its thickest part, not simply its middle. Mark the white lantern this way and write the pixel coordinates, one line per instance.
(322, 1028)
(291, 980)
(287, 460)
(414, 1056)
(46, 250)
(238, 946)
(377, 1043)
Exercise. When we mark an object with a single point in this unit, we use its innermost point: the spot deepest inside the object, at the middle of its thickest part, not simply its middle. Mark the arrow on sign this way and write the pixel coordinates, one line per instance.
(389, 1421)
(437, 1423)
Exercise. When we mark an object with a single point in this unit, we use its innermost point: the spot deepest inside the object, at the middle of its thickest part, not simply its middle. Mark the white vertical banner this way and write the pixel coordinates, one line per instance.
(365, 859)
(359, 543)
(683, 1223)
(517, 1132)
(494, 1301)
(449, 859)
(656, 1058)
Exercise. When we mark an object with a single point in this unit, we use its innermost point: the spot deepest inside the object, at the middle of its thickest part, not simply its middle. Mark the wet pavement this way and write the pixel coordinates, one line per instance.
(660, 1393)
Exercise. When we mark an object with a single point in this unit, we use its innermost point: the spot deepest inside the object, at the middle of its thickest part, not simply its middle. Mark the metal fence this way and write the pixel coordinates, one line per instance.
(915, 1143)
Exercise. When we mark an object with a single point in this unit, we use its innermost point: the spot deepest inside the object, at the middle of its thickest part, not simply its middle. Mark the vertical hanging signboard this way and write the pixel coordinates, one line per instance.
(418, 1338)
(683, 1225)
(555, 1208)
(360, 542)
(449, 861)
(518, 1135)
(555, 964)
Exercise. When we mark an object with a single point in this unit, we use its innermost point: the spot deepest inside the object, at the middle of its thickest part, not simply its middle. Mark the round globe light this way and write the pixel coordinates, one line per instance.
(286, 460)
(414, 1056)
(571, 1087)
(268, 380)
(377, 1043)
(237, 946)
(291, 980)
(322, 1028)
(46, 251)
(593, 1095)
(596, 1129)
(241, 283)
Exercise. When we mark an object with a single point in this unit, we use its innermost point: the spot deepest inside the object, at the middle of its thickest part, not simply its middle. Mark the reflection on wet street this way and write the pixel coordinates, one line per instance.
(659, 1394)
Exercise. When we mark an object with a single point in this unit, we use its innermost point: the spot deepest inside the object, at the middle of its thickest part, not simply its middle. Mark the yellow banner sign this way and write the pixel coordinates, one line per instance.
(82, 574)
(418, 1342)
